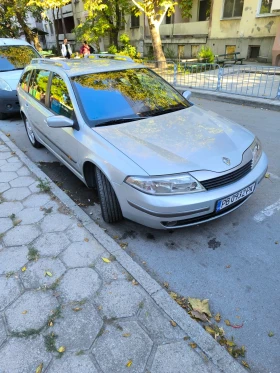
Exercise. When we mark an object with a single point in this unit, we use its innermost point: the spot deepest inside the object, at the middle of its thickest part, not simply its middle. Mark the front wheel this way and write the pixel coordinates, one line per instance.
(110, 207)
(34, 142)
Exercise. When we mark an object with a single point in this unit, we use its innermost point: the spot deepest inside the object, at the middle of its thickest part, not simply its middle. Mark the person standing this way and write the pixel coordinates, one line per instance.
(66, 50)
(85, 49)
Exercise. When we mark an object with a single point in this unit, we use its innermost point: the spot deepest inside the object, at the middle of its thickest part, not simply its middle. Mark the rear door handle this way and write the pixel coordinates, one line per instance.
(26, 104)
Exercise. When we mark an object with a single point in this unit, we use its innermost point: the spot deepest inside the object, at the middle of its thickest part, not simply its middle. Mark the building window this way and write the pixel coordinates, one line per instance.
(195, 49)
(134, 21)
(230, 49)
(269, 6)
(168, 19)
(233, 8)
(181, 49)
(204, 10)
(51, 28)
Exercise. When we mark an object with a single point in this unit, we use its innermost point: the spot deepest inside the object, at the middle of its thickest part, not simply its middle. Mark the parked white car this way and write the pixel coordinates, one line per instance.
(15, 54)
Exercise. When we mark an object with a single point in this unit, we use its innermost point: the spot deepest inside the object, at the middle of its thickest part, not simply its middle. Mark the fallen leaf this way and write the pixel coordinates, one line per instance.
(86, 239)
(23, 269)
(228, 266)
(115, 237)
(106, 260)
(166, 285)
(100, 308)
(79, 225)
(230, 343)
(50, 323)
(267, 175)
(186, 338)
(193, 345)
(217, 317)
(48, 273)
(129, 363)
(198, 315)
(173, 323)
(210, 330)
(126, 335)
(270, 334)
(227, 322)
(173, 295)
(61, 349)
(8, 135)
(123, 245)
(39, 368)
(77, 309)
(245, 364)
(24, 312)
(134, 282)
(200, 305)
(276, 242)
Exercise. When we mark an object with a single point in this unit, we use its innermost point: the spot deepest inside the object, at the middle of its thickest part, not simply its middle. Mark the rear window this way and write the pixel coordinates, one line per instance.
(16, 57)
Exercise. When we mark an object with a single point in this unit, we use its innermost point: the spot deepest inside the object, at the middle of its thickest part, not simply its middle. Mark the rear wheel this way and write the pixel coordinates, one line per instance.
(110, 207)
(34, 142)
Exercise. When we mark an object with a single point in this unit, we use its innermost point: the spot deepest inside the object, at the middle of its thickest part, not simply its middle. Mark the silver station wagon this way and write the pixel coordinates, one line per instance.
(154, 157)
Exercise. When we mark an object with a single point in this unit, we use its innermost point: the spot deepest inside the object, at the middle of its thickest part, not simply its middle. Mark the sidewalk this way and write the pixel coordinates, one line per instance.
(72, 300)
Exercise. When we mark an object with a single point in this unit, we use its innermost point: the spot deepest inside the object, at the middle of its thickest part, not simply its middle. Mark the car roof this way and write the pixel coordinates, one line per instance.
(11, 41)
(95, 64)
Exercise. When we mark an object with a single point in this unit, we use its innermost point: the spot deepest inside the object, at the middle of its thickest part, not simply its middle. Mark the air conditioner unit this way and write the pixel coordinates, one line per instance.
(275, 6)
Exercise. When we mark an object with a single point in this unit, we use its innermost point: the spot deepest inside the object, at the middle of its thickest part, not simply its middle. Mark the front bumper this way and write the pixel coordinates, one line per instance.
(9, 102)
(177, 211)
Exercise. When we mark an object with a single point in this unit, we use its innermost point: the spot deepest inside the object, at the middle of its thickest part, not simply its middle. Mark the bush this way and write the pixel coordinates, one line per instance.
(206, 54)
(170, 54)
(112, 49)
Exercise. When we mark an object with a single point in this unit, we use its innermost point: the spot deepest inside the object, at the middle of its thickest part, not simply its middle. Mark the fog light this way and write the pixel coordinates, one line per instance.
(9, 106)
(171, 224)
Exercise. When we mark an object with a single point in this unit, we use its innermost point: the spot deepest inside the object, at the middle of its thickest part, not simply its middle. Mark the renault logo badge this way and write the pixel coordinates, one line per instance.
(226, 161)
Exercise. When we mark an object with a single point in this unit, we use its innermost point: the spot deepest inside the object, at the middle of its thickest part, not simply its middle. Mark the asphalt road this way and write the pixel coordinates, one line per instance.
(232, 261)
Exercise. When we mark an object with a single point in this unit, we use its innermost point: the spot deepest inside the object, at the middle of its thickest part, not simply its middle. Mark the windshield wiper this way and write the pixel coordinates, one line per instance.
(165, 111)
(118, 120)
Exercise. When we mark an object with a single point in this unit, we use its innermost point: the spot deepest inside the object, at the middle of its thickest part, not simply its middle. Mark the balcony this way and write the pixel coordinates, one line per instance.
(185, 29)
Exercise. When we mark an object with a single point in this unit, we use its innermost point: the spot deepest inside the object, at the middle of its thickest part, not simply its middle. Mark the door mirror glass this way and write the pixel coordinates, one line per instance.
(59, 121)
(187, 94)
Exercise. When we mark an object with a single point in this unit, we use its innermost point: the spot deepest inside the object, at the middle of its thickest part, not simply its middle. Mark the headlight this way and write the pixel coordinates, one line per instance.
(4, 85)
(164, 185)
(256, 149)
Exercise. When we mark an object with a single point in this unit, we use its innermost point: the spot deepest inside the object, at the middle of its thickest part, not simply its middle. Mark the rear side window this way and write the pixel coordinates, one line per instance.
(60, 101)
(24, 80)
(38, 85)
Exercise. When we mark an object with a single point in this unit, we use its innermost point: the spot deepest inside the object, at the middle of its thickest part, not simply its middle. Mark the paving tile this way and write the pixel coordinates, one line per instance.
(5, 155)
(37, 200)
(56, 222)
(120, 299)
(78, 284)
(5, 224)
(12, 259)
(4, 187)
(110, 271)
(7, 176)
(51, 244)
(21, 235)
(11, 166)
(23, 355)
(113, 351)
(35, 275)
(22, 181)
(81, 254)
(9, 208)
(72, 364)
(16, 194)
(9, 291)
(30, 215)
(77, 330)
(23, 171)
(30, 311)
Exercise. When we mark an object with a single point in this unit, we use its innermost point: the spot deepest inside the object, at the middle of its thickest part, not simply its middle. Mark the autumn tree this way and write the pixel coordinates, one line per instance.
(54, 6)
(105, 17)
(155, 11)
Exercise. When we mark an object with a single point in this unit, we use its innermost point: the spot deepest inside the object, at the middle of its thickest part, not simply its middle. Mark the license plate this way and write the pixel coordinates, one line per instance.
(223, 203)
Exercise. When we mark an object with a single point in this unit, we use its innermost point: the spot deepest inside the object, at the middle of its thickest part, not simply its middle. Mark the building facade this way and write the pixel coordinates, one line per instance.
(245, 26)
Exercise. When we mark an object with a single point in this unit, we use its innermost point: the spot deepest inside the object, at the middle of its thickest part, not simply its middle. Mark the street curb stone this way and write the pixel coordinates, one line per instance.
(218, 355)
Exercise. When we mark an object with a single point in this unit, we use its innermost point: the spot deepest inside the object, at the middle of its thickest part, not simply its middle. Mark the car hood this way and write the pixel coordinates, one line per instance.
(187, 140)
(11, 77)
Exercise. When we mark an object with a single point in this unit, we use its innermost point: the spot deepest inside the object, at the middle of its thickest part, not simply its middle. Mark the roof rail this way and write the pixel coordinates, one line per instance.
(111, 56)
(57, 62)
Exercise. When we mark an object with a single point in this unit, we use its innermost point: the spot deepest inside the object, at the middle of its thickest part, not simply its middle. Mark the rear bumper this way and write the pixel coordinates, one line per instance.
(160, 212)
(9, 102)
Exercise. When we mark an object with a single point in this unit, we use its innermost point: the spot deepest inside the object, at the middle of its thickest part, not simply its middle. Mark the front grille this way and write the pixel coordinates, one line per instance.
(228, 178)
(203, 218)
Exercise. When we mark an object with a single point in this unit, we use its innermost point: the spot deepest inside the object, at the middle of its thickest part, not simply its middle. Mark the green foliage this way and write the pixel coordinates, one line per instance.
(112, 49)
(124, 39)
(206, 54)
(44, 185)
(91, 30)
(170, 53)
(186, 8)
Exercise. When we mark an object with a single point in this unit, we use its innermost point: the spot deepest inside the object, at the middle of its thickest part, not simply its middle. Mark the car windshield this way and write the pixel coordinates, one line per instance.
(16, 57)
(109, 98)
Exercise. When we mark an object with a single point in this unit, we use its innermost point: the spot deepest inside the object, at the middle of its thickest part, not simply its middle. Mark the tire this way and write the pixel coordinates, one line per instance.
(110, 207)
(30, 134)
(3, 116)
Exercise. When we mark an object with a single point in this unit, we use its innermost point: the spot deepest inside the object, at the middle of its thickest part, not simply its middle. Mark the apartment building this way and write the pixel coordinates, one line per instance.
(245, 26)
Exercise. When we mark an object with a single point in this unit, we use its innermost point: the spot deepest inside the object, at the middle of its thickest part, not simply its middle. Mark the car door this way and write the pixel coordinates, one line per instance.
(36, 109)
(66, 140)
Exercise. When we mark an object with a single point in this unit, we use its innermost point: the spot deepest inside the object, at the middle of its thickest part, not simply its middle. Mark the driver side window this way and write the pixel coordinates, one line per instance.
(60, 101)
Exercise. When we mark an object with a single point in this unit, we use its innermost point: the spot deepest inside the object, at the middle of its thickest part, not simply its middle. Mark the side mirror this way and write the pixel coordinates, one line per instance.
(59, 121)
(187, 94)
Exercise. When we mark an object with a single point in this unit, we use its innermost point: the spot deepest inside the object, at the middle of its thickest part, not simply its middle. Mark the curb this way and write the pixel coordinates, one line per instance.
(260, 103)
(214, 352)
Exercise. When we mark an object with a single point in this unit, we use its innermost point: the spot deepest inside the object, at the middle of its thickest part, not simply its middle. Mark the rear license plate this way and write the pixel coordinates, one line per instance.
(223, 203)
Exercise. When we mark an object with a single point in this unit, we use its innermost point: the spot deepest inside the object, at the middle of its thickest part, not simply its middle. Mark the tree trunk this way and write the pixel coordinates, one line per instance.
(156, 41)
(114, 33)
(27, 32)
(55, 19)
(63, 24)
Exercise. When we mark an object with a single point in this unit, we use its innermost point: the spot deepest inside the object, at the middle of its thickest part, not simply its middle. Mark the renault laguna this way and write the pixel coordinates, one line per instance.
(154, 157)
